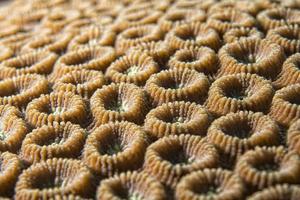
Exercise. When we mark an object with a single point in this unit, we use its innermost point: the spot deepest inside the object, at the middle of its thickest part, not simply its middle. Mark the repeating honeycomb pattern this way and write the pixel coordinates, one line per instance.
(154, 100)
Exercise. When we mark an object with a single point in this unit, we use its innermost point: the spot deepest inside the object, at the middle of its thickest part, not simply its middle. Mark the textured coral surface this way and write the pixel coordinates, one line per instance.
(150, 99)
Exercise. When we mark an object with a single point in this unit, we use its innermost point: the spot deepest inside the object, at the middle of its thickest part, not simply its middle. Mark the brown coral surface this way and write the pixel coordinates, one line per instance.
(115, 147)
(171, 157)
(208, 184)
(55, 178)
(131, 185)
(150, 99)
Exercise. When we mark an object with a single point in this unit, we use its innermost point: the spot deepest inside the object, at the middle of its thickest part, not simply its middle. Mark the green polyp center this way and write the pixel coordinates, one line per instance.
(178, 120)
(117, 106)
(134, 196)
(113, 149)
(125, 193)
(111, 146)
(242, 134)
(132, 70)
(236, 95)
(53, 140)
(247, 58)
(51, 183)
(58, 110)
(177, 86)
(207, 189)
(58, 140)
(182, 159)
(2, 135)
(93, 42)
(188, 36)
(240, 127)
(212, 190)
(236, 92)
(177, 156)
(296, 64)
(172, 84)
(269, 166)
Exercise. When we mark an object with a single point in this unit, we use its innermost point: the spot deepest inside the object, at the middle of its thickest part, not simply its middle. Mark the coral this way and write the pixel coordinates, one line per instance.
(131, 185)
(236, 133)
(250, 7)
(135, 67)
(94, 36)
(111, 9)
(115, 147)
(59, 18)
(60, 140)
(11, 168)
(194, 4)
(56, 43)
(18, 39)
(280, 192)
(290, 73)
(36, 62)
(20, 90)
(56, 107)
(13, 129)
(253, 56)
(137, 35)
(210, 184)
(233, 93)
(275, 17)
(192, 35)
(201, 59)
(268, 166)
(177, 118)
(293, 134)
(82, 82)
(171, 157)
(118, 102)
(55, 178)
(177, 85)
(235, 34)
(285, 106)
(92, 58)
(6, 52)
(288, 37)
(223, 20)
(159, 51)
(28, 18)
(136, 16)
(176, 17)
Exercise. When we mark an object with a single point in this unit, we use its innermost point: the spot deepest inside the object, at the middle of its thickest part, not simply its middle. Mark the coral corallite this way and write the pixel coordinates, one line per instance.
(115, 147)
(177, 118)
(171, 157)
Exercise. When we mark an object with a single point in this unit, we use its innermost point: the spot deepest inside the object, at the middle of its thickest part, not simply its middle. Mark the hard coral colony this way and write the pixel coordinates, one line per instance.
(150, 100)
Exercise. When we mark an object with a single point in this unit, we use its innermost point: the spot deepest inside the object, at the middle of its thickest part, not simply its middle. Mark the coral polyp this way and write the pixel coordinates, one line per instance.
(158, 99)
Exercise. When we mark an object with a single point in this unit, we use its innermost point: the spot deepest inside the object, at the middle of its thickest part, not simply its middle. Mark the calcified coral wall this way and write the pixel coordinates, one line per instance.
(157, 99)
